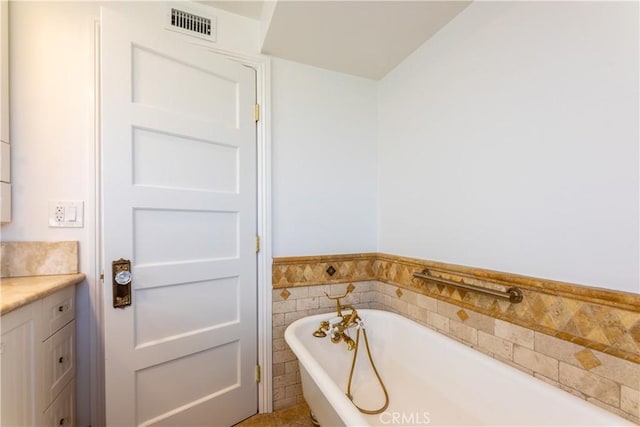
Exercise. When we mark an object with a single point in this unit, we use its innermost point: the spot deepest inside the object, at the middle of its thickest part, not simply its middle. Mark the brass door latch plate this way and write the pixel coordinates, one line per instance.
(121, 282)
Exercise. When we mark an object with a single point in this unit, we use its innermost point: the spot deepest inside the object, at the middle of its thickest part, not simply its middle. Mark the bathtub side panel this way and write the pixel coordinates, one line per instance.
(320, 407)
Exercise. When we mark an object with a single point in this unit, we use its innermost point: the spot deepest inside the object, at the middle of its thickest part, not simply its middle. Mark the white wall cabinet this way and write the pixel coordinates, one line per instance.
(5, 152)
(37, 358)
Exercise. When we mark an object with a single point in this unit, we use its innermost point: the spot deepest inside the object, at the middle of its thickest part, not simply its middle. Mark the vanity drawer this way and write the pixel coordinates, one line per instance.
(59, 362)
(57, 310)
(63, 410)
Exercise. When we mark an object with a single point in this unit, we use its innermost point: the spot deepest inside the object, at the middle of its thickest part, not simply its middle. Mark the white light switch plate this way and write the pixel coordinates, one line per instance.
(66, 213)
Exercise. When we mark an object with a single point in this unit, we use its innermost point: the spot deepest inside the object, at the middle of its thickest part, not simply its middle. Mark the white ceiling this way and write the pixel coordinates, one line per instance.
(364, 38)
(249, 8)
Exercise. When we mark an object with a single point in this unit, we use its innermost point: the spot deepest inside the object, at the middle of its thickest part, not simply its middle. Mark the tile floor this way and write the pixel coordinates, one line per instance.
(296, 416)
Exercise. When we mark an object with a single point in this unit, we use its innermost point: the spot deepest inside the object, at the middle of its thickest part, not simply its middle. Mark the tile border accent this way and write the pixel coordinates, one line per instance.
(599, 319)
(585, 293)
(312, 270)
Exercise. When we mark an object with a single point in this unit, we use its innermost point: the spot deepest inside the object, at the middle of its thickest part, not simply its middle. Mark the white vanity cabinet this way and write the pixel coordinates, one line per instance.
(18, 365)
(5, 152)
(38, 362)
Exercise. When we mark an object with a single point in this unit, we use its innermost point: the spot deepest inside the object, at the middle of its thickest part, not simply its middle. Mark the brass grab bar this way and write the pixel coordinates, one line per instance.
(513, 295)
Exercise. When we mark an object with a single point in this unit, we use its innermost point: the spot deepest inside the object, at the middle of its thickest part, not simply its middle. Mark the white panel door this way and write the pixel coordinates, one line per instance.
(179, 201)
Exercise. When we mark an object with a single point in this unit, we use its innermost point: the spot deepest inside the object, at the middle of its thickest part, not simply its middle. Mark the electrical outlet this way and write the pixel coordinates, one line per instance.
(59, 213)
(66, 213)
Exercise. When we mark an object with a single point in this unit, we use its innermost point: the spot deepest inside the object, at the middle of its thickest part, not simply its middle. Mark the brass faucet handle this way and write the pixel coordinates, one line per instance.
(337, 300)
(350, 343)
(351, 318)
(320, 332)
(338, 297)
(335, 321)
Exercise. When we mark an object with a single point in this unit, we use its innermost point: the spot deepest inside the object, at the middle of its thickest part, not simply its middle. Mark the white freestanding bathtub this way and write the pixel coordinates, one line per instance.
(431, 379)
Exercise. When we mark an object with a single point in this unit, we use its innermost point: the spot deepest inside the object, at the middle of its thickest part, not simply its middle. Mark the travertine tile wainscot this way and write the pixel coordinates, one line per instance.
(581, 339)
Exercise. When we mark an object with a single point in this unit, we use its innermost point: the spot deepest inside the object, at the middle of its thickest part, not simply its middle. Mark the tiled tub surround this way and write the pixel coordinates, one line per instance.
(583, 340)
(292, 304)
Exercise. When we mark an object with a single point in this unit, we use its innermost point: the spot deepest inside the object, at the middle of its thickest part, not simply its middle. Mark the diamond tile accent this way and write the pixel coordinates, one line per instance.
(583, 320)
(603, 320)
(587, 359)
(399, 292)
(285, 294)
(304, 271)
(307, 274)
(462, 315)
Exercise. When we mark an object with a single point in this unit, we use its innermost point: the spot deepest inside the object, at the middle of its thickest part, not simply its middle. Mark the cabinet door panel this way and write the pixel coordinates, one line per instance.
(5, 202)
(18, 367)
(5, 162)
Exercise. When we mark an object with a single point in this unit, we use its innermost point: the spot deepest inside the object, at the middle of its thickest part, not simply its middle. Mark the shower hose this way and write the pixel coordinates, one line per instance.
(353, 365)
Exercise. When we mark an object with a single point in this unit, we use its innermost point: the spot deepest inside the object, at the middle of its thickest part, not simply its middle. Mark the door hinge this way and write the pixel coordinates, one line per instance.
(256, 112)
(257, 372)
(102, 276)
(257, 244)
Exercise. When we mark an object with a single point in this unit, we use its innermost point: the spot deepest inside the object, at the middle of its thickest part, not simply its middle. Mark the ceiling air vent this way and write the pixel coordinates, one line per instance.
(192, 24)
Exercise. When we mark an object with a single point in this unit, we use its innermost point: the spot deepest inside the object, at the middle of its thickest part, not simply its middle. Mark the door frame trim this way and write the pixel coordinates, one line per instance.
(96, 326)
(262, 65)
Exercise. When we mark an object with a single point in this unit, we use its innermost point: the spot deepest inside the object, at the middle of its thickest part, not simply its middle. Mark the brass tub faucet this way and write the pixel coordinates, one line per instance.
(336, 327)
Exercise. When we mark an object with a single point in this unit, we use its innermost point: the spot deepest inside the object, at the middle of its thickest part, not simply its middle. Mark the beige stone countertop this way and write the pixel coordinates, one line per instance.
(18, 291)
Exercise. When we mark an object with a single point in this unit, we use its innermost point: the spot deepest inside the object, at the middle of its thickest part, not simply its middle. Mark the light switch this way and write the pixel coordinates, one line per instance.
(70, 214)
